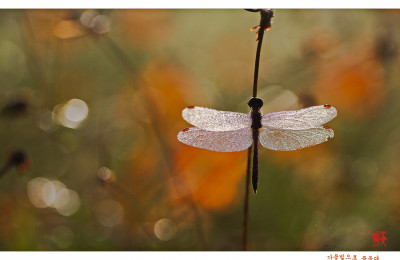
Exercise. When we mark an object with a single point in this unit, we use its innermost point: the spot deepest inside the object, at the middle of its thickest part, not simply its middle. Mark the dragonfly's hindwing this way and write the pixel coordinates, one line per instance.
(219, 141)
(289, 140)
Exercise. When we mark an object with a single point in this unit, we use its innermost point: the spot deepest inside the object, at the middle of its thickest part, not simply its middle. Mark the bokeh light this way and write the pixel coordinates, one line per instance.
(99, 23)
(71, 114)
(35, 192)
(165, 229)
(46, 193)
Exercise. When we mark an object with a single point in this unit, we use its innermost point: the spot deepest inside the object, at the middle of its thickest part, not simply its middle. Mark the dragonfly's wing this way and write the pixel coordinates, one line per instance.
(300, 119)
(289, 140)
(219, 141)
(215, 120)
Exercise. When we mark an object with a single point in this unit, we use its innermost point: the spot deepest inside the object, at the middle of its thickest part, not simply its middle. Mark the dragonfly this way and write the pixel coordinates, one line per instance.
(225, 131)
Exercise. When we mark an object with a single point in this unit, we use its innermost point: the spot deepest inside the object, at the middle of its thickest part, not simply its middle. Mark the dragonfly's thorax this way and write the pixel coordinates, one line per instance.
(256, 116)
(255, 104)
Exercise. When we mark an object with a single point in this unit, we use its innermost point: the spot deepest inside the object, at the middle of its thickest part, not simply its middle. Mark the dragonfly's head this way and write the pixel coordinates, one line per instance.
(255, 103)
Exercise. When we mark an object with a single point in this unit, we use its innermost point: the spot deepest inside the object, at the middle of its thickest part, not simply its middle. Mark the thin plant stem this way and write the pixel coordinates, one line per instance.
(265, 24)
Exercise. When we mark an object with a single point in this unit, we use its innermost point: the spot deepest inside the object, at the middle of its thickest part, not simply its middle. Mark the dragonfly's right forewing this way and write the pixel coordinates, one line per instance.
(215, 120)
(300, 119)
(219, 141)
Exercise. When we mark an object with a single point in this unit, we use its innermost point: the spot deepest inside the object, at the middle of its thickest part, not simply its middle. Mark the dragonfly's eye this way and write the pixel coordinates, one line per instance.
(255, 102)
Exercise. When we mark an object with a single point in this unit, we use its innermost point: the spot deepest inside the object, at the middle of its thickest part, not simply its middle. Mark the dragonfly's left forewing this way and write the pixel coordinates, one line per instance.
(215, 120)
(219, 141)
(289, 140)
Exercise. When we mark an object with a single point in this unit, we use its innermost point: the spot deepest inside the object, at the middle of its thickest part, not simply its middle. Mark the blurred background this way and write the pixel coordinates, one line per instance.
(91, 104)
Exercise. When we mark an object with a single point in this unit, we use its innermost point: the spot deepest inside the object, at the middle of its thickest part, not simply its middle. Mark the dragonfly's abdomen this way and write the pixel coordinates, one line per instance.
(255, 104)
(255, 128)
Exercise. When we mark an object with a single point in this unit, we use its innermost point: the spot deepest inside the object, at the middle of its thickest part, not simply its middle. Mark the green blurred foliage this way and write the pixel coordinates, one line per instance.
(94, 98)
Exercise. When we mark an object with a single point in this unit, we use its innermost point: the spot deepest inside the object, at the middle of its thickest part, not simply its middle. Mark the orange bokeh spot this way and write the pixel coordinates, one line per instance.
(354, 82)
(212, 178)
(168, 86)
(68, 29)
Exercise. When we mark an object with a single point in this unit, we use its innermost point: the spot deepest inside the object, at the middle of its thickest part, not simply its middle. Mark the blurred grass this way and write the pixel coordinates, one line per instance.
(129, 65)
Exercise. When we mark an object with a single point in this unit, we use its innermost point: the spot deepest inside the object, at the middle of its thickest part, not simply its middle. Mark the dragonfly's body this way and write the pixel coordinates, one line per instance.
(224, 131)
(255, 104)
